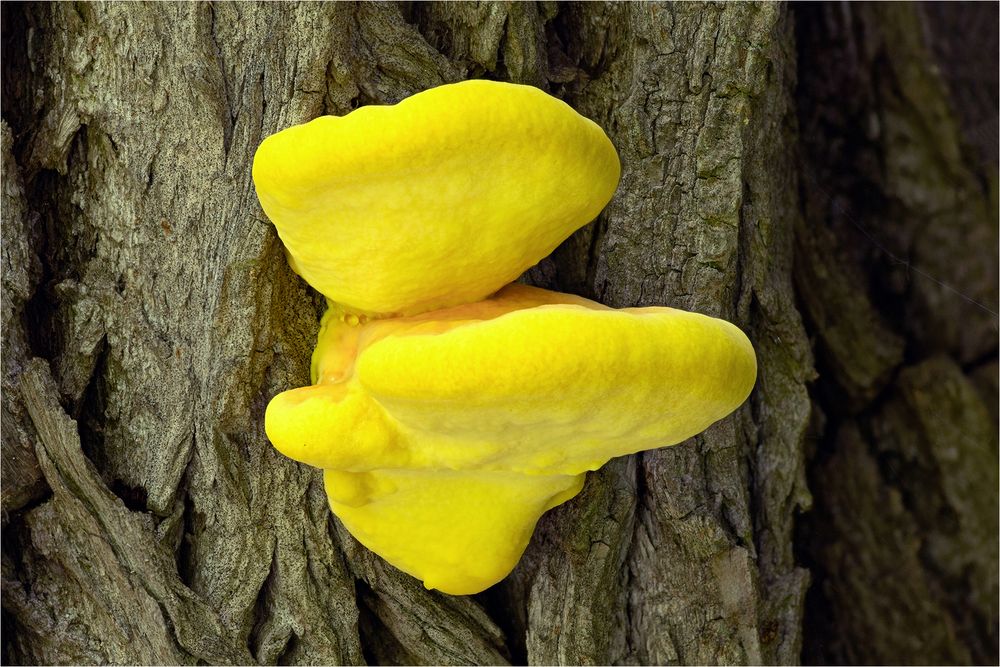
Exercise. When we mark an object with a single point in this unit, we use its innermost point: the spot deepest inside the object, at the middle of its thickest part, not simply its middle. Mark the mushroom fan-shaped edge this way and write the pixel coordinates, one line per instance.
(436, 201)
(445, 436)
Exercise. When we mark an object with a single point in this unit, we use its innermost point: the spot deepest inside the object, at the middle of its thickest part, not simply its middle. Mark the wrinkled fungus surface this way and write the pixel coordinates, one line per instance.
(437, 201)
(450, 409)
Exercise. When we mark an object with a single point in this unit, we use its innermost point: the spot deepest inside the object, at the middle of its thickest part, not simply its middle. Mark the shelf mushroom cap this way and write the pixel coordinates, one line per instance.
(450, 412)
(507, 401)
(459, 532)
(439, 200)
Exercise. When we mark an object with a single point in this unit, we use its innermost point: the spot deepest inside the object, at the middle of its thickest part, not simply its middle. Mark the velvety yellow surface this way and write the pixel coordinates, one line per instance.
(439, 200)
(458, 531)
(449, 416)
(445, 436)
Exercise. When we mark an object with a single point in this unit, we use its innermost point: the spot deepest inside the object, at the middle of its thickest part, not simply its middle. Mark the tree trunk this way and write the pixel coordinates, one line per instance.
(149, 315)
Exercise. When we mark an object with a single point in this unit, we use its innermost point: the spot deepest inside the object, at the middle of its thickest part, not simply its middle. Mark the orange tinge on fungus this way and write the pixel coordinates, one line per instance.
(449, 411)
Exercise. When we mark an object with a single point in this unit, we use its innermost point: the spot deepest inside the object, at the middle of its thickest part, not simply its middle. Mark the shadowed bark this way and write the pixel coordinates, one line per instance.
(896, 266)
(808, 173)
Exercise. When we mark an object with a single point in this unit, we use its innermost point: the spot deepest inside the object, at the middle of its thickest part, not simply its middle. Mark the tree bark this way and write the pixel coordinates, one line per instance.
(811, 174)
(896, 267)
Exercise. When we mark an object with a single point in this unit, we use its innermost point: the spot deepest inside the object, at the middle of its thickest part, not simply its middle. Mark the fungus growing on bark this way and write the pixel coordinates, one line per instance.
(447, 421)
(436, 201)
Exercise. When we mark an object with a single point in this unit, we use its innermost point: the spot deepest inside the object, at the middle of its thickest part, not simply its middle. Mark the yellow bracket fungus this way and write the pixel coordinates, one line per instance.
(450, 409)
(439, 200)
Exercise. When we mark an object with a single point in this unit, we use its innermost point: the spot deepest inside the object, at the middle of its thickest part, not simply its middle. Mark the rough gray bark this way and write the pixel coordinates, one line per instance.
(149, 315)
(896, 267)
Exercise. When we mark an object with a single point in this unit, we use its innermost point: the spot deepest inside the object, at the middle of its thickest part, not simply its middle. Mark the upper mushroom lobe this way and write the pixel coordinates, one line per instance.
(437, 201)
